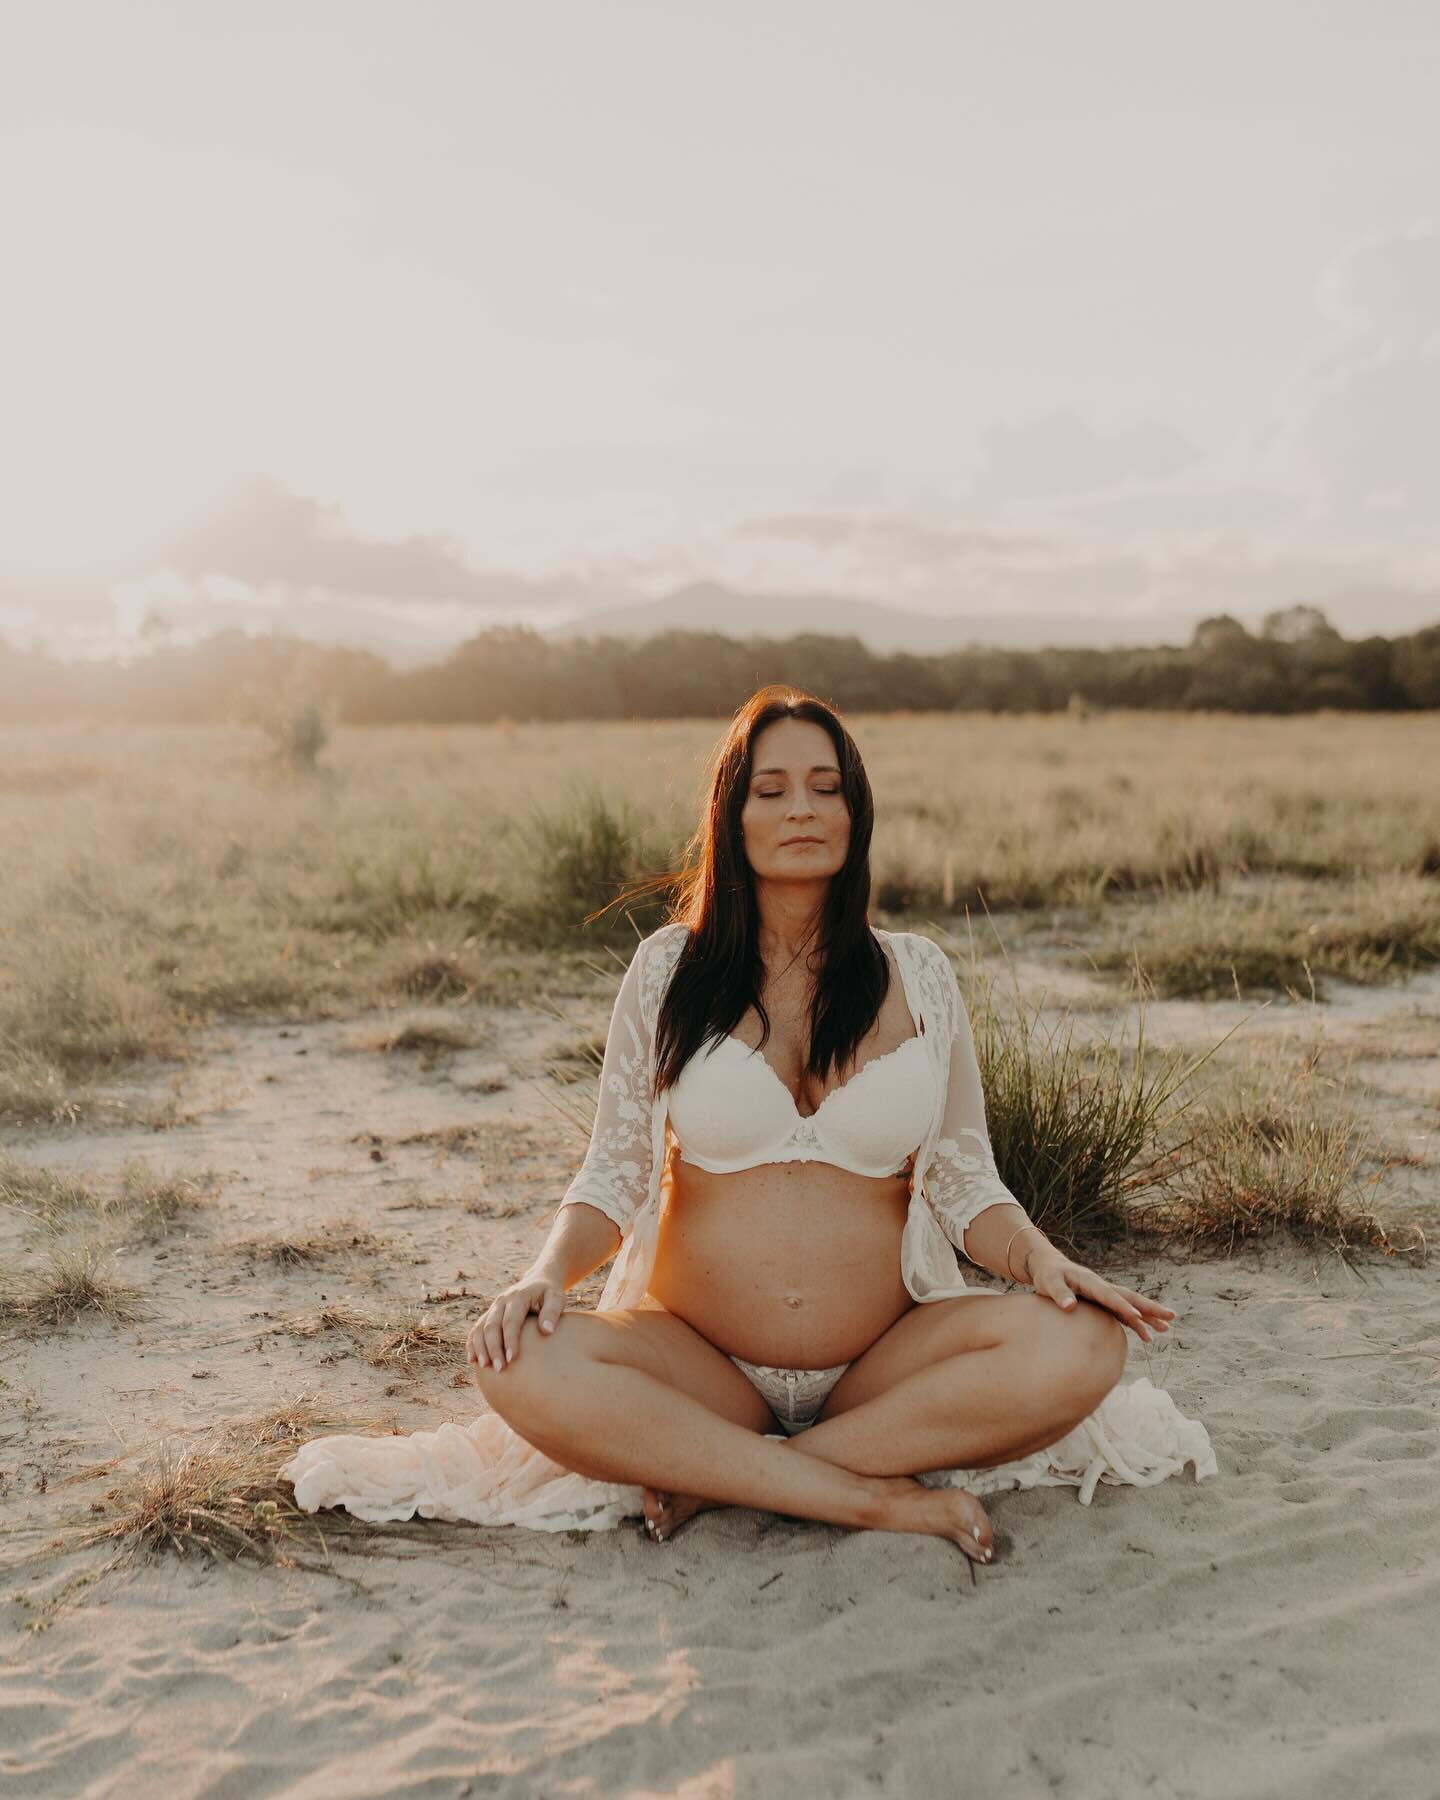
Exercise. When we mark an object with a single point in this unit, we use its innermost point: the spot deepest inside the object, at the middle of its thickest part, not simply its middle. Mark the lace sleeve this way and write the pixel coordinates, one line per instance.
(962, 1180)
(615, 1175)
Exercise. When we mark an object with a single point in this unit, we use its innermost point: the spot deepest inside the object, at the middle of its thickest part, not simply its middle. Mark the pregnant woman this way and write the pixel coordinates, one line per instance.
(789, 1146)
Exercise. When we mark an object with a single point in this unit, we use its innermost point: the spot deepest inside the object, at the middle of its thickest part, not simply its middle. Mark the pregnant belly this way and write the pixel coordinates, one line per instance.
(796, 1264)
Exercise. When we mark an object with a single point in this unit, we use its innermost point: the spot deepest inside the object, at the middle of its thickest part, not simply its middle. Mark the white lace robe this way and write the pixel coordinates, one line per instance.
(483, 1471)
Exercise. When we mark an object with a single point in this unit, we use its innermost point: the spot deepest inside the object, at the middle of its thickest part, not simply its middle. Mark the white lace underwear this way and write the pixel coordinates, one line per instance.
(795, 1396)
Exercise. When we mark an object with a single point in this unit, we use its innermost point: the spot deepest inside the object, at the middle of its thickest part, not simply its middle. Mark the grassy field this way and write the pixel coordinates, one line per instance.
(155, 882)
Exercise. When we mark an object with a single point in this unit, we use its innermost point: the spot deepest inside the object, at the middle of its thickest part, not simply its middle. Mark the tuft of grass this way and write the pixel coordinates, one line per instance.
(72, 1279)
(320, 1247)
(155, 1202)
(582, 856)
(35, 1091)
(1074, 1130)
(433, 976)
(220, 1495)
(384, 1340)
(379, 900)
(429, 1039)
(1275, 1150)
(45, 1194)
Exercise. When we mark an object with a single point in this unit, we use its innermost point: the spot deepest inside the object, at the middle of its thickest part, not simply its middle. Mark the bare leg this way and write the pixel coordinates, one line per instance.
(969, 1384)
(582, 1397)
(964, 1384)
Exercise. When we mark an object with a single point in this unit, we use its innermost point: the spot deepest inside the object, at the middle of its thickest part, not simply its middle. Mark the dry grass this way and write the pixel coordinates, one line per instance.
(155, 1202)
(46, 1195)
(70, 1279)
(434, 974)
(1075, 1129)
(483, 1206)
(335, 1243)
(428, 1039)
(176, 880)
(185, 883)
(149, 1203)
(49, 775)
(1378, 928)
(452, 1138)
(1274, 1149)
(218, 1495)
(383, 1339)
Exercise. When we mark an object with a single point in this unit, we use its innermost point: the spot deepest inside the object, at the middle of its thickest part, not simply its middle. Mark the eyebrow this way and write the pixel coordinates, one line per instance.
(818, 769)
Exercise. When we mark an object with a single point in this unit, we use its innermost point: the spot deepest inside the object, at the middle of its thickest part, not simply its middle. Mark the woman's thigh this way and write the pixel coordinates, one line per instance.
(645, 1337)
(1080, 1350)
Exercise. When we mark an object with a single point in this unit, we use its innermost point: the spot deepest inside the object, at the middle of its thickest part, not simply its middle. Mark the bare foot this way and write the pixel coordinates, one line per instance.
(665, 1513)
(952, 1513)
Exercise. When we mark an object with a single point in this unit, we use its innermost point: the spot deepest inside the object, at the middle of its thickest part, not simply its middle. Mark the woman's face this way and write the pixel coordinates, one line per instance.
(795, 793)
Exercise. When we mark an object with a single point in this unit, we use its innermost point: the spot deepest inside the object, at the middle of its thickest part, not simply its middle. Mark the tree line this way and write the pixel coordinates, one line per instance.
(1296, 662)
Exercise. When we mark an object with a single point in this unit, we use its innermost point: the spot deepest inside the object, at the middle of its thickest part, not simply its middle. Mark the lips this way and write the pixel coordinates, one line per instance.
(799, 840)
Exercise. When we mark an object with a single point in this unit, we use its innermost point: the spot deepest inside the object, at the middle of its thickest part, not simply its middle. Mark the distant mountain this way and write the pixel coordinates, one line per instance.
(708, 606)
(884, 630)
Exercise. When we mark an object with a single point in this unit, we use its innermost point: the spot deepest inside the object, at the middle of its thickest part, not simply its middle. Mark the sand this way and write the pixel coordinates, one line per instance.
(1271, 1631)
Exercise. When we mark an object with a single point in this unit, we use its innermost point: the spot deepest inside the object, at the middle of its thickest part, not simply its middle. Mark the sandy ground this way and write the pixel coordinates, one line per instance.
(1270, 1631)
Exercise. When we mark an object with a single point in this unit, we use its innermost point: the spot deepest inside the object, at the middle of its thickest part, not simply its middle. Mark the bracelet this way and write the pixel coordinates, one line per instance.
(1027, 1226)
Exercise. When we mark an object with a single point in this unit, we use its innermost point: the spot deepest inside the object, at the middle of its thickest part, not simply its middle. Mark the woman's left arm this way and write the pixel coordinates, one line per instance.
(998, 1240)
(980, 1215)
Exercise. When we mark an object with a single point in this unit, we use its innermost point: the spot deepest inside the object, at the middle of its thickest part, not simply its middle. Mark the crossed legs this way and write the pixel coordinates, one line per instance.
(640, 1396)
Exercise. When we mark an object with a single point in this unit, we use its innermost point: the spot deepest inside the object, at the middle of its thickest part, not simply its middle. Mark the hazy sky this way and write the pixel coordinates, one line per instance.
(641, 290)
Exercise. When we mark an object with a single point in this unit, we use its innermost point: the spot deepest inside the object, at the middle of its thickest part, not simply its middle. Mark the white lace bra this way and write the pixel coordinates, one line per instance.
(729, 1110)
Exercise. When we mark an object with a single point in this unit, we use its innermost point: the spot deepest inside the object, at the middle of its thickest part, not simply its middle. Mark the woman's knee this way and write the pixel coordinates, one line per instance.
(535, 1378)
(1077, 1353)
(1103, 1349)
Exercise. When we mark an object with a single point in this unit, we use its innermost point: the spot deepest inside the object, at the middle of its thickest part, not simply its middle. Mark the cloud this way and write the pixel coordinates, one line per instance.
(258, 531)
(262, 556)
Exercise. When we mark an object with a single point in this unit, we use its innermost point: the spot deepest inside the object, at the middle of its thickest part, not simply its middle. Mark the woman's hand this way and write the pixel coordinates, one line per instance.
(494, 1339)
(1060, 1279)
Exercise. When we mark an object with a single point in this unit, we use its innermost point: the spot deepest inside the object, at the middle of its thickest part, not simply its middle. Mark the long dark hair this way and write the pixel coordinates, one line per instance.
(719, 973)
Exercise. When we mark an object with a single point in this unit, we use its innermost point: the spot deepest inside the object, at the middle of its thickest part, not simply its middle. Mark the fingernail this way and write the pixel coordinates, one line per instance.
(975, 1533)
(545, 1325)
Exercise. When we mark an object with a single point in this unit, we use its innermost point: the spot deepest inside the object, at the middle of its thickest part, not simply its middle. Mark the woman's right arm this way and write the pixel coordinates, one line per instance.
(580, 1240)
(600, 1204)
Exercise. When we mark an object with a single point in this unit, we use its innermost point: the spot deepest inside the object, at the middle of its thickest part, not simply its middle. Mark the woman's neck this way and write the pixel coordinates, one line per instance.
(788, 929)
